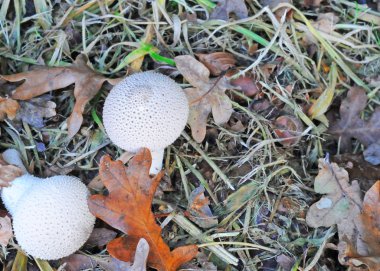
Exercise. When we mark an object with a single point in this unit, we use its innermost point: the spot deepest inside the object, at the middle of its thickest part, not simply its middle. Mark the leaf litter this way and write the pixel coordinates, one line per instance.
(277, 73)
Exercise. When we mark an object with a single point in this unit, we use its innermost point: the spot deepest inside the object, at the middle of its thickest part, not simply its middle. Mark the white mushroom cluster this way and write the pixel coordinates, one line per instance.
(148, 110)
(51, 218)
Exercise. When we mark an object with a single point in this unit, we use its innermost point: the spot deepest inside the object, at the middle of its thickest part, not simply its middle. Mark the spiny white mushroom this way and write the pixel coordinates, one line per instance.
(148, 110)
(51, 218)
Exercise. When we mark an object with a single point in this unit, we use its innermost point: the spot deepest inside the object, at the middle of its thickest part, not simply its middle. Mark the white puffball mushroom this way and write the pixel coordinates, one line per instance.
(147, 110)
(51, 218)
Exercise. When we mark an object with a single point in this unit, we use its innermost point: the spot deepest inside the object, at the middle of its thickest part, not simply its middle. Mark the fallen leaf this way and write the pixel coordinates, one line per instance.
(35, 110)
(244, 83)
(78, 262)
(225, 8)
(285, 262)
(199, 209)
(217, 62)
(320, 106)
(325, 23)
(127, 208)
(141, 256)
(372, 154)
(207, 96)
(8, 108)
(312, 3)
(350, 125)
(100, 237)
(6, 232)
(289, 128)
(274, 3)
(341, 199)
(45, 79)
(8, 173)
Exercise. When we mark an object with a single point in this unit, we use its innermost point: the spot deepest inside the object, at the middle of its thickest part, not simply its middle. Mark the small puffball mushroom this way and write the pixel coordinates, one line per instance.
(51, 218)
(146, 110)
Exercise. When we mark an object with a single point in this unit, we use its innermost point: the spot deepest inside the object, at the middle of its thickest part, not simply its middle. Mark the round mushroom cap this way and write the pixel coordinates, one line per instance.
(17, 189)
(53, 220)
(146, 109)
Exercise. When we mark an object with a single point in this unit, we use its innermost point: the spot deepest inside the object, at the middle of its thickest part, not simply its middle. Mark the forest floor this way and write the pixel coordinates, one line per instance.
(302, 78)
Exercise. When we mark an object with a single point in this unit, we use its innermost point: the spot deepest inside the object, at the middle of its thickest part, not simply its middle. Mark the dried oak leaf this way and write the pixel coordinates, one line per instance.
(45, 79)
(35, 110)
(225, 8)
(325, 23)
(350, 125)
(8, 173)
(6, 232)
(208, 95)
(217, 62)
(8, 108)
(127, 208)
(341, 200)
(199, 209)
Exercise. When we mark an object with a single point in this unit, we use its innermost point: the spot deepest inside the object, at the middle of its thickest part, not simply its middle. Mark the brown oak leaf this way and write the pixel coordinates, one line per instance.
(350, 125)
(6, 232)
(8, 108)
(87, 84)
(127, 208)
(217, 62)
(225, 8)
(208, 95)
(8, 172)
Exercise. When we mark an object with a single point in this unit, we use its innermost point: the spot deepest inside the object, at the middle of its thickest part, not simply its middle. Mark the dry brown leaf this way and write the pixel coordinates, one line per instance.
(100, 237)
(350, 125)
(6, 232)
(217, 62)
(289, 128)
(325, 23)
(8, 173)
(39, 81)
(199, 209)
(312, 3)
(35, 110)
(245, 83)
(78, 262)
(227, 7)
(341, 200)
(358, 221)
(208, 95)
(127, 208)
(8, 108)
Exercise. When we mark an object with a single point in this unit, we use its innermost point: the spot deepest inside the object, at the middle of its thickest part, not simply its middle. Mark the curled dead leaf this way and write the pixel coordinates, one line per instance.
(87, 84)
(245, 83)
(289, 128)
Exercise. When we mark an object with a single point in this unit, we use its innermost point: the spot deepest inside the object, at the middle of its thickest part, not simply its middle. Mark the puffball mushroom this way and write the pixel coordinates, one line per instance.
(146, 110)
(51, 218)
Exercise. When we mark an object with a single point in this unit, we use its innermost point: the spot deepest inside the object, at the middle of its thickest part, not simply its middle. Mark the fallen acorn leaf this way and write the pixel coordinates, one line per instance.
(289, 128)
(226, 7)
(217, 62)
(45, 79)
(127, 208)
(207, 96)
(199, 209)
(8, 108)
(350, 125)
(8, 173)
(6, 232)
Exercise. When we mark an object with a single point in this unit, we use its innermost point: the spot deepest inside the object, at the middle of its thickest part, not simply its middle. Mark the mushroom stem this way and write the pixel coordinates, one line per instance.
(157, 157)
(11, 156)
